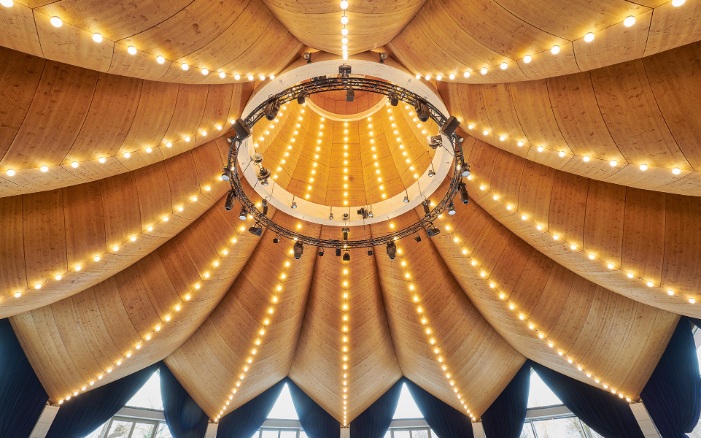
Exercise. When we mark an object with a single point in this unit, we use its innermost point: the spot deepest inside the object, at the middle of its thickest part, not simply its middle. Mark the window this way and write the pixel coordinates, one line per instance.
(408, 421)
(540, 394)
(142, 417)
(283, 421)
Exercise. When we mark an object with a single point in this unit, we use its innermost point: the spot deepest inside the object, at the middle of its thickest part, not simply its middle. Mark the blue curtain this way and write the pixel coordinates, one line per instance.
(184, 417)
(505, 417)
(81, 415)
(672, 396)
(22, 398)
(315, 421)
(445, 420)
(375, 420)
(605, 413)
(247, 419)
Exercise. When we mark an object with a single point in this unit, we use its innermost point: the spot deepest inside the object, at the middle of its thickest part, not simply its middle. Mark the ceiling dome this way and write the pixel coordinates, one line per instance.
(579, 248)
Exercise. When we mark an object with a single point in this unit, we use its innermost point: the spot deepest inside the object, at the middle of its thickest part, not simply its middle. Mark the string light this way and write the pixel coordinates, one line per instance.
(157, 328)
(259, 335)
(574, 248)
(431, 337)
(345, 339)
(531, 326)
(98, 255)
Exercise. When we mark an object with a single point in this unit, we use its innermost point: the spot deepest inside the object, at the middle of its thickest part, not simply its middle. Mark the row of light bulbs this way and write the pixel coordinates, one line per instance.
(344, 30)
(290, 145)
(187, 138)
(585, 158)
(527, 59)
(317, 154)
(376, 163)
(431, 337)
(528, 322)
(159, 326)
(259, 337)
(574, 248)
(345, 341)
(97, 38)
(99, 255)
(400, 145)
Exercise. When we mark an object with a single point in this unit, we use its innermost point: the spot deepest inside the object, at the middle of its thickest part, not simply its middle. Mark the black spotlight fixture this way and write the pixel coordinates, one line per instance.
(271, 109)
(256, 229)
(298, 250)
(421, 107)
(463, 194)
(331, 214)
(264, 203)
(363, 212)
(464, 168)
(230, 199)
(432, 231)
(301, 98)
(346, 216)
(346, 256)
(370, 252)
(406, 198)
(263, 176)
(431, 172)
(391, 250)
(427, 206)
(435, 141)
(350, 95)
(345, 231)
(451, 209)
(243, 214)
(393, 100)
(321, 252)
(338, 252)
(418, 238)
(344, 70)
(242, 130)
(294, 204)
(226, 174)
(383, 56)
(276, 240)
(307, 57)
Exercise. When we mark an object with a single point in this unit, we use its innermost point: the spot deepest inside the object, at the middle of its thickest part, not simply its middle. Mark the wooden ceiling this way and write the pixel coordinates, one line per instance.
(119, 252)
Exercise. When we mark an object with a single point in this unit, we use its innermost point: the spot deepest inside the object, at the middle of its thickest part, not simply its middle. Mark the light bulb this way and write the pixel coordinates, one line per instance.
(676, 171)
(10, 172)
(555, 50)
(344, 40)
(586, 158)
(205, 72)
(250, 77)
(236, 77)
(643, 167)
(44, 169)
(7, 3)
(452, 76)
(75, 164)
(344, 20)
(629, 21)
(127, 154)
(184, 66)
(344, 5)
(466, 74)
(589, 37)
(483, 70)
(527, 59)
(261, 77)
(97, 37)
(160, 59)
(56, 22)
(344, 32)
(613, 163)
(675, 3)
(131, 50)
(504, 66)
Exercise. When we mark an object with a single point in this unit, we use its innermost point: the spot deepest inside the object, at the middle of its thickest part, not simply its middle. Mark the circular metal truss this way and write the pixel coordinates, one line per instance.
(345, 82)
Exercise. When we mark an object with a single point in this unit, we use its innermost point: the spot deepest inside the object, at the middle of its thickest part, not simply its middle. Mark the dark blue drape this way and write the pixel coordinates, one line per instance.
(445, 420)
(315, 421)
(672, 396)
(247, 419)
(81, 415)
(375, 420)
(184, 417)
(22, 398)
(505, 417)
(605, 413)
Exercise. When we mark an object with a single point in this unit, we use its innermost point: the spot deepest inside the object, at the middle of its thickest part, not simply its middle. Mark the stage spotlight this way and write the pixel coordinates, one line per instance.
(463, 194)
(346, 257)
(298, 250)
(450, 126)
(243, 214)
(391, 250)
(370, 252)
(301, 98)
(345, 231)
(421, 108)
(263, 176)
(350, 95)
(307, 57)
(427, 206)
(344, 70)
(451, 209)
(338, 252)
(321, 252)
(264, 203)
(271, 109)
(331, 216)
(406, 198)
(417, 238)
(393, 100)
(464, 169)
(230, 199)
(435, 141)
(242, 130)
(256, 230)
(363, 212)
(346, 216)
(226, 174)
(276, 240)
(383, 56)
(431, 172)
(294, 205)
(432, 231)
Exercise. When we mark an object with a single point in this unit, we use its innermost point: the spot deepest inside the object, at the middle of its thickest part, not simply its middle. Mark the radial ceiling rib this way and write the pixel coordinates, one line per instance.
(604, 124)
(212, 361)
(644, 245)
(479, 361)
(84, 126)
(448, 37)
(59, 242)
(371, 24)
(525, 295)
(141, 314)
(318, 364)
(236, 37)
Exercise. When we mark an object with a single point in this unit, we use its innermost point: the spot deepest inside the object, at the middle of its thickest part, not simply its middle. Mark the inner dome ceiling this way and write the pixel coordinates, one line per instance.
(579, 248)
